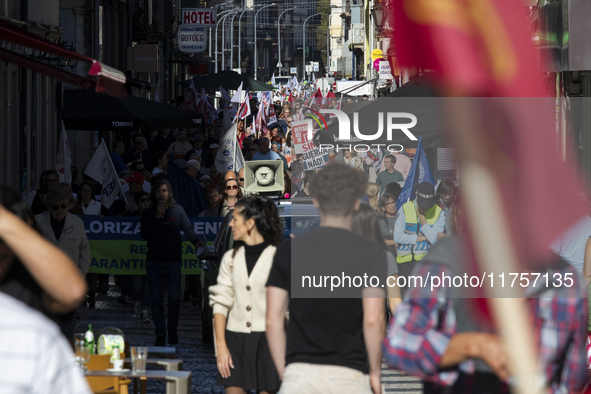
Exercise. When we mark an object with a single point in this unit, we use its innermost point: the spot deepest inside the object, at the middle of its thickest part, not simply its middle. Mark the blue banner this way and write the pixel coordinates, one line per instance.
(420, 171)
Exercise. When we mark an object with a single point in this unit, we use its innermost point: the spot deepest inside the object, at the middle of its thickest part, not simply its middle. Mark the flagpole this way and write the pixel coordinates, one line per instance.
(494, 251)
(235, 153)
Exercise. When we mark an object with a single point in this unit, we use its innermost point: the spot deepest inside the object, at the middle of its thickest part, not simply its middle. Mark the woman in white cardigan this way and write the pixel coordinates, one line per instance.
(239, 300)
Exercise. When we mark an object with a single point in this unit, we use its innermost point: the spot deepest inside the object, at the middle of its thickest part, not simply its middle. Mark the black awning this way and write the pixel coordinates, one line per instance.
(86, 110)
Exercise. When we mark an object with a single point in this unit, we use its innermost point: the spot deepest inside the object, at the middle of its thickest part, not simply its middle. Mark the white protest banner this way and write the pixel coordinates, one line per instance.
(102, 170)
(314, 157)
(63, 162)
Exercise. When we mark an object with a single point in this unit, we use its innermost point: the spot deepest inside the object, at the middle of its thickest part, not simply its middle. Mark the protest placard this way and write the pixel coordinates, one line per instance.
(313, 157)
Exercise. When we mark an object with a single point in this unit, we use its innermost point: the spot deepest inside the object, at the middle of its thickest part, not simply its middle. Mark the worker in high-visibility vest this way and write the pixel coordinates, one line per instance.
(416, 229)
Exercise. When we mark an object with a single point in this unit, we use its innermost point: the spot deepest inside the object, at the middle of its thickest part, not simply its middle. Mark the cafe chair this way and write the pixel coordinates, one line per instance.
(105, 385)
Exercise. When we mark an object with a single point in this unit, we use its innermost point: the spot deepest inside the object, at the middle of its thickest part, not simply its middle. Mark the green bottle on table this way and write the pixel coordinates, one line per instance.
(89, 337)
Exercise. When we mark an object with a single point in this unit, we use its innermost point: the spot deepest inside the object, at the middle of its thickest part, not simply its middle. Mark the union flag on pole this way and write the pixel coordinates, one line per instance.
(244, 109)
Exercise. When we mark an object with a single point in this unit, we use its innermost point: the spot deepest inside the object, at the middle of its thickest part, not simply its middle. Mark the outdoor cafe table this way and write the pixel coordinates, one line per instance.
(167, 363)
(177, 382)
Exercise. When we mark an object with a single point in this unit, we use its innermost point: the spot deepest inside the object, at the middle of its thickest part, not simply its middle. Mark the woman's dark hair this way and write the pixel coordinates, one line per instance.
(394, 189)
(383, 201)
(137, 196)
(157, 185)
(85, 183)
(266, 218)
(43, 180)
(446, 186)
(365, 223)
(224, 195)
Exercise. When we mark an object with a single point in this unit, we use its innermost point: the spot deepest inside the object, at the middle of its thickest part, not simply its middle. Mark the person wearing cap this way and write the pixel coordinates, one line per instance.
(389, 174)
(197, 140)
(416, 229)
(66, 231)
(209, 159)
(192, 169)
(136, 183)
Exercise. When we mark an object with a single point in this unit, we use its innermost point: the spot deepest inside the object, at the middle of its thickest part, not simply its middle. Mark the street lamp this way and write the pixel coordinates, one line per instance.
(304, 47)
(216, 37)
(240, 39)
(224, 36)
(279, 37)
(227, 2)
(255, 37)
(328, 45)
(232, 36)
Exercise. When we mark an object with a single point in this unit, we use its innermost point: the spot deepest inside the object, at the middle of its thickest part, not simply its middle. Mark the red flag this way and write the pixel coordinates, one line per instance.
(317, 99)
(483, 48)
(204, 107)
(190, 94)
(291, 98)
(506, 144)
(261, 122)
(244, 109)
(271, 113)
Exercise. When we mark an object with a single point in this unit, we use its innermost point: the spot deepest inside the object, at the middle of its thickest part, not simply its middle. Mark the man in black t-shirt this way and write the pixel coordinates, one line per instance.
(333, 340)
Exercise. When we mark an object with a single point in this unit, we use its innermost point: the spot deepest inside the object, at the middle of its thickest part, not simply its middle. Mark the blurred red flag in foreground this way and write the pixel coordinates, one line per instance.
(482, 48)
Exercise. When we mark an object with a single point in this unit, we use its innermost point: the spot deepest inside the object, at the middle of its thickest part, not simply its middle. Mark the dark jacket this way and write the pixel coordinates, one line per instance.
(164, 236)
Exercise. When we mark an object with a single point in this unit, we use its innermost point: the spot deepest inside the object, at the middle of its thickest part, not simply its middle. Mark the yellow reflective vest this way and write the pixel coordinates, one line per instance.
(405, 253)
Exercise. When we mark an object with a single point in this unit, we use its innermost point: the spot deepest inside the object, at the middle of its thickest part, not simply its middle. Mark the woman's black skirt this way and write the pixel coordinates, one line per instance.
(253, 365)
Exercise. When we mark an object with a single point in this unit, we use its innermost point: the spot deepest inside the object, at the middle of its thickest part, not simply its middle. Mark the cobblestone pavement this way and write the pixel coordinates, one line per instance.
(197, 357)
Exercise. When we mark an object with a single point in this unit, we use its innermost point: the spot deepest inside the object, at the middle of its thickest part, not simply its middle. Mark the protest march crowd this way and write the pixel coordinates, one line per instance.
(372, 221)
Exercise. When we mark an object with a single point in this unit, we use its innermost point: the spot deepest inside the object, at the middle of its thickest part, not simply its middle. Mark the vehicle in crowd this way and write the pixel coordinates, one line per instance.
(297, 216)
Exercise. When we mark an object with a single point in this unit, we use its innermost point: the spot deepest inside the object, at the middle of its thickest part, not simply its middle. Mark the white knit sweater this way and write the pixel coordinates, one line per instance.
(240, 297)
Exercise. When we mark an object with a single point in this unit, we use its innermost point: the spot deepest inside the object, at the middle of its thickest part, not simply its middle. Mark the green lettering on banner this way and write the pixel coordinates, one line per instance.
(129, 258)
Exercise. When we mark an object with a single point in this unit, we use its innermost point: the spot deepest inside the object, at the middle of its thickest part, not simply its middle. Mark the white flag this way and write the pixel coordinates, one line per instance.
(237, 97)
(102, 170)
(229, 156)
(63, 162)
(273, 79)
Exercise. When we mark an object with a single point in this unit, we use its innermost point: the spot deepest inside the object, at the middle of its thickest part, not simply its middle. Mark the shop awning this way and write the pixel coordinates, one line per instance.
(86, 110)
(109, 80)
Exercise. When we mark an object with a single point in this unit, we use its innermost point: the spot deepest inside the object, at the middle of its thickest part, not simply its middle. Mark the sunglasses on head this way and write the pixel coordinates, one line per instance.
(231, 187)
(145, 200)
(57, 207)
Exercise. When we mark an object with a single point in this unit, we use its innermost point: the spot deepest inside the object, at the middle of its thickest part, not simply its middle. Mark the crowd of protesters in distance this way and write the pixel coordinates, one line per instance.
(433, 333)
